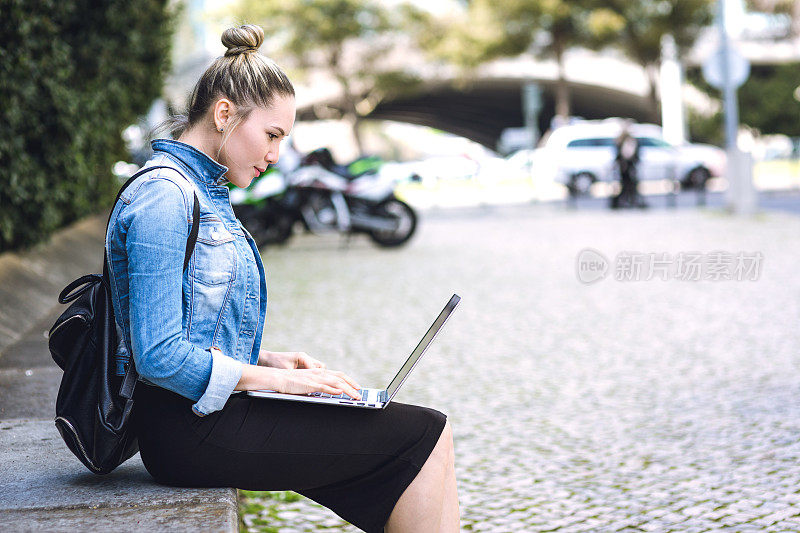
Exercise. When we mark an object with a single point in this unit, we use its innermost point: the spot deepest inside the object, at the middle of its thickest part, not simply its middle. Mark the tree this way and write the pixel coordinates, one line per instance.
(546, 28)
(647, 21)
(348, 39)
(767, 101)
(554, 26)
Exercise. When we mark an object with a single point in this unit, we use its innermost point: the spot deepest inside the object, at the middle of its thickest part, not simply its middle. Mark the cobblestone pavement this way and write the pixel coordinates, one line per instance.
(616, 406)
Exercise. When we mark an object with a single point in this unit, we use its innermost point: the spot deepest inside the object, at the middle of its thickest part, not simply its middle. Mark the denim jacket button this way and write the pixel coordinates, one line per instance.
(215, 235)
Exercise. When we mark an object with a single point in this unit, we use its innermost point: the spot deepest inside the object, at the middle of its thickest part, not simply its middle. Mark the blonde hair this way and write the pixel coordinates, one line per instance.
(242, 75)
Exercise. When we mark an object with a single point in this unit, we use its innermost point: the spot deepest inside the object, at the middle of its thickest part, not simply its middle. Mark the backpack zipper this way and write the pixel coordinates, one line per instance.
(50, 333)
(78, 440)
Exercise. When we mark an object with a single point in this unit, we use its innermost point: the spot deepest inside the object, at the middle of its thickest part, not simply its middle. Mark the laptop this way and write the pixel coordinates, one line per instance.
(372, 398)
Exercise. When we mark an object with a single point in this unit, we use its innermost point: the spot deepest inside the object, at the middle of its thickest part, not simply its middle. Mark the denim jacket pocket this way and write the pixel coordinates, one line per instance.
(215, 254)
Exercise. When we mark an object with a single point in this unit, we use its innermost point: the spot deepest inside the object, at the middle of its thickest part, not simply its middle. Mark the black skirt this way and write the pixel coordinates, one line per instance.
(356, 462)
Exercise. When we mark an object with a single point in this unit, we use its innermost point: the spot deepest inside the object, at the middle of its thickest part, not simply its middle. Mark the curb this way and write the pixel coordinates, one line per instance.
(44, 488)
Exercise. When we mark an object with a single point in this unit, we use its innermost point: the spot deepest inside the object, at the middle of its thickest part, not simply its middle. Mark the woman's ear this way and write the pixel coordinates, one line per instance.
(223, 113)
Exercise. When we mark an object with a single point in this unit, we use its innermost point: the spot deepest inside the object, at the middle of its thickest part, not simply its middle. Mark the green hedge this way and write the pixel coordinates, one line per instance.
(73, 75)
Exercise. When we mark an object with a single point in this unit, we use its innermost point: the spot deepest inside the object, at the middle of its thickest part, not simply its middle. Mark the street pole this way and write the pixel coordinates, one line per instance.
(671, 84)
(728, 89)
(531, 106)
(672, 116)
(740, 196)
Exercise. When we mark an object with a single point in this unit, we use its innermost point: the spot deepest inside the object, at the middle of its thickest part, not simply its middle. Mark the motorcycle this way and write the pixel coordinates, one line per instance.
(326, 198)
(260, 208)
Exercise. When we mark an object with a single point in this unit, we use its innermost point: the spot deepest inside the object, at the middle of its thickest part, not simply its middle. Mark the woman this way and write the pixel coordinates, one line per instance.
(195, 334)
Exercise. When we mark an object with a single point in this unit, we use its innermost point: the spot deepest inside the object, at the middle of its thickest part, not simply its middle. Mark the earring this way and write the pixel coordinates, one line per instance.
(221, 130)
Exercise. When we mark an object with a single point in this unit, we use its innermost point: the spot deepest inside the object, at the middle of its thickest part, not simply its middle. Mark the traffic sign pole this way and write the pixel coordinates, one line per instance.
(728, 88)
(740, 197)
(531, 105)
(671, 82)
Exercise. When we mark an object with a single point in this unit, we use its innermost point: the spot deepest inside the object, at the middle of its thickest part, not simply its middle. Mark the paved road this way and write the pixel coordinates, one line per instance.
(779, 200)
(661, 405)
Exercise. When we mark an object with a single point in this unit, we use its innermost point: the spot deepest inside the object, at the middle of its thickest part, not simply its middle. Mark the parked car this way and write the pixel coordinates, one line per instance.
(580, 154)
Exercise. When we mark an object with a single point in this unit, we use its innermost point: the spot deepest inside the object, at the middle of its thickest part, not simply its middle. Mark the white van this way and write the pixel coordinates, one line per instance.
(580, 154)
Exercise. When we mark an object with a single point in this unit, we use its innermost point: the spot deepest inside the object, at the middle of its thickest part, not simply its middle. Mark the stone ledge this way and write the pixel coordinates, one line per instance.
(185, 518)
(46, 488)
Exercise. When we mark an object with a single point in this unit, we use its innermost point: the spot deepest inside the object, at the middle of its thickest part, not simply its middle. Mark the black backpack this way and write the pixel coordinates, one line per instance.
(93, 408)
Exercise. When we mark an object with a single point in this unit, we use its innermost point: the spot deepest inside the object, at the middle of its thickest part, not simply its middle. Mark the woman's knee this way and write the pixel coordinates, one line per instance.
(450, 445)
(444, 451)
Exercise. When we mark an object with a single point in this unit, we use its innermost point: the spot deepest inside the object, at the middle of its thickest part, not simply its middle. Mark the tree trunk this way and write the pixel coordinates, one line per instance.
(350, 114)
(562, 88)
(655, 105)
(355, 125)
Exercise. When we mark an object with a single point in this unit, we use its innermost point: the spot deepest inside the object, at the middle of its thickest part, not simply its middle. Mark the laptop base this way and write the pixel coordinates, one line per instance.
(371, 402)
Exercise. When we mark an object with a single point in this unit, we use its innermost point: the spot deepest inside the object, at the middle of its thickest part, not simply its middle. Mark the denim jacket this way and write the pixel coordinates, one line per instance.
(169, 318)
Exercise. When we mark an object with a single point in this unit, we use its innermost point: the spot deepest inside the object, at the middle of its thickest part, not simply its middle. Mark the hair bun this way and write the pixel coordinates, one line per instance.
(247, 38)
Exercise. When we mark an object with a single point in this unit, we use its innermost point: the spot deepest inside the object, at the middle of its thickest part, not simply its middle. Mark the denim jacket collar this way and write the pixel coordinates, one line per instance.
(208, 170)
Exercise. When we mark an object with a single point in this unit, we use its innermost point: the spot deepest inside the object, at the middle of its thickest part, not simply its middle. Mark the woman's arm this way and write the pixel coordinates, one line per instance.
(156, 228)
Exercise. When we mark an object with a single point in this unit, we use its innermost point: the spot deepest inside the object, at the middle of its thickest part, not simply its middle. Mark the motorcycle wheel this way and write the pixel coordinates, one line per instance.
(266, 226)
(406, 223)
(276, 231)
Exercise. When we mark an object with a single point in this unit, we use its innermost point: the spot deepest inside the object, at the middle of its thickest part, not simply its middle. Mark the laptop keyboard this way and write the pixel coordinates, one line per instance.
(342, 396)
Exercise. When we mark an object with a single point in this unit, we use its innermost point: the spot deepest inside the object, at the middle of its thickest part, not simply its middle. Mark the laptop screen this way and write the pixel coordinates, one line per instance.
(422, 346)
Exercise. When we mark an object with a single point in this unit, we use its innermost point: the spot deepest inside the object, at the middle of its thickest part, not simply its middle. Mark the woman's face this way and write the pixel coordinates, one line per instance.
(255, 142)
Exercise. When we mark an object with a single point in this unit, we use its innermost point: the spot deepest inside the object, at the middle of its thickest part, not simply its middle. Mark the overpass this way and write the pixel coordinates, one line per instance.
(490, 101)
(479, 108)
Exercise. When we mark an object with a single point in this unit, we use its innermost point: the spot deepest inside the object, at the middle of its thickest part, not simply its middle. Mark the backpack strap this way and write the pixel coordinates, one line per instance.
(193, 234)
(131, 375)
(195, 216)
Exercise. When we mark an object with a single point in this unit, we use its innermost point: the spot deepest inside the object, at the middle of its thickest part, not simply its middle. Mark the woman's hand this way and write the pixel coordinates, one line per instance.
(288, 360)
(298, 381)
(305, 381)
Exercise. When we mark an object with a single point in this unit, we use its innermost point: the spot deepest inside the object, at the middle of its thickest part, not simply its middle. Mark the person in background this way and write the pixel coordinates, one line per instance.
(627, 164)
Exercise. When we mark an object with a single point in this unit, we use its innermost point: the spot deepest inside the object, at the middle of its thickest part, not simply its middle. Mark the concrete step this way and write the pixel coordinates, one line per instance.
(45, 488)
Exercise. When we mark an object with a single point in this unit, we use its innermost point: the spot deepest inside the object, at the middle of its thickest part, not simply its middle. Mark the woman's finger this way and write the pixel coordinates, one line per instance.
(328, 389)
(335, 379)
(350, 381)
(320, 380)
(351, 388)
(306, 361)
